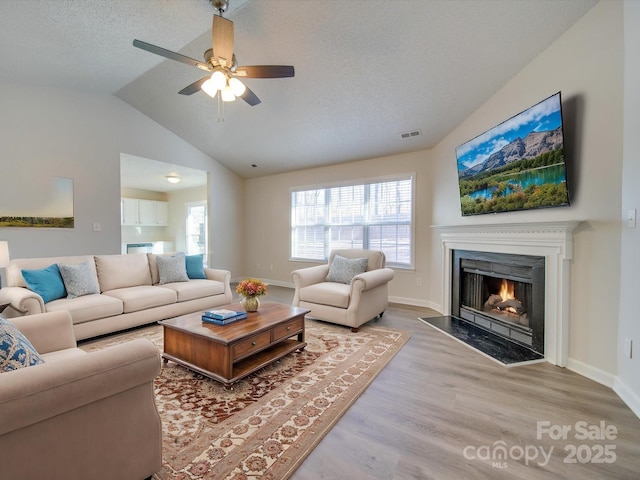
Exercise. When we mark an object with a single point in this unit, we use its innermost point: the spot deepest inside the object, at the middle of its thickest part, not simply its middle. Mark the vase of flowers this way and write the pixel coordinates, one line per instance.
(250, 290)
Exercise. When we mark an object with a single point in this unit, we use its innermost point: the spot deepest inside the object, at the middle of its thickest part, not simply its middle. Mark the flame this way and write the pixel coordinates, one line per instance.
(507, 290)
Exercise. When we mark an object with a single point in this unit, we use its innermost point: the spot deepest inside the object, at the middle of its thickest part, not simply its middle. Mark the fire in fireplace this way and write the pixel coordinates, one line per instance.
(503, 293)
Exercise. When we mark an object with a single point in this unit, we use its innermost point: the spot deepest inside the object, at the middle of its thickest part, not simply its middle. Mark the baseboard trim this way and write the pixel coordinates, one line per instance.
(592, 373)
(415, 302)
(627, 395)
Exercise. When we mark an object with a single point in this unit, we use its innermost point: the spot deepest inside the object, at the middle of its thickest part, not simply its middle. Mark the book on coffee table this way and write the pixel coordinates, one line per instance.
(224, 321)
(221, 314)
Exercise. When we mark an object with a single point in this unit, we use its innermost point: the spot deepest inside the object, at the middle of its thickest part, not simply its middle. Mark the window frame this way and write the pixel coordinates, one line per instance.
(366, 224)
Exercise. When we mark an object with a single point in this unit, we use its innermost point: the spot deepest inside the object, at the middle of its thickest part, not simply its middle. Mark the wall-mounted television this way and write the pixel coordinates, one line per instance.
(517, 165)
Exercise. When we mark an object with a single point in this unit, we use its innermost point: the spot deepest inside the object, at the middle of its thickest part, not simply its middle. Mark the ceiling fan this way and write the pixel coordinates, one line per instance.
(220, 63)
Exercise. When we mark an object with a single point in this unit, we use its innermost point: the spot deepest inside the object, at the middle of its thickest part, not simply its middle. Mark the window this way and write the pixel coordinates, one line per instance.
(196, 228)
(376, 215)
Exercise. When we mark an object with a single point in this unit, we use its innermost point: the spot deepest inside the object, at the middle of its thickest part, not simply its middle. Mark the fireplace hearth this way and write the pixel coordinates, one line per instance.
(501, 293)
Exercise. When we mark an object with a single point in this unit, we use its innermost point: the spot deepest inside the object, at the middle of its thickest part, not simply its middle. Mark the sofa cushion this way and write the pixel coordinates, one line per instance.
(172, 269)
(88, 307)
(121, 271)
(46, 282)
(79, 279)
(16, 350)
(143, 297)
(196, 289)
(195, 266)
(342, 270)
(327, 293)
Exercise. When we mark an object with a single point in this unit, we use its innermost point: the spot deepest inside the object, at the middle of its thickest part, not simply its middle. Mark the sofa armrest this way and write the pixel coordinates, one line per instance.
(303, 277)
(223, 276)
(48, 332)
(372, 279)
(22, 300)
(218, 274)
(37, 393)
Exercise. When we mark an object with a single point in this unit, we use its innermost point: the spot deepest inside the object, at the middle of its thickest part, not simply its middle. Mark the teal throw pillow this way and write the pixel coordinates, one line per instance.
(16, 350)
(46, 282)
(195, 266)
(342, 270)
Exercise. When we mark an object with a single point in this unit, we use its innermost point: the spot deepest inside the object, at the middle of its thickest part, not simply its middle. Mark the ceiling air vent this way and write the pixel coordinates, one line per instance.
(412, 133)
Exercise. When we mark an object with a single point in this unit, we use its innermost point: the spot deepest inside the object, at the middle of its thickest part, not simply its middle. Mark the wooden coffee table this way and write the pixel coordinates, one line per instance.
(227, 353)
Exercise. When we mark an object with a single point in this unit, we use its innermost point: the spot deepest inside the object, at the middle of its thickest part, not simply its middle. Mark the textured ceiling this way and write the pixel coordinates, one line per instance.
(366, 70)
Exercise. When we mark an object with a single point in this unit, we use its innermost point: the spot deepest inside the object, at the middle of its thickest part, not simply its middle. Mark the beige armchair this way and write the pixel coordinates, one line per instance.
(352, 303)
(79, 415)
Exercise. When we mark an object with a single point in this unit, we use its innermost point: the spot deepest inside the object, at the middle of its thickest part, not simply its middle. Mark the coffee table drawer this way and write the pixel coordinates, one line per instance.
(251, 344)
(287, 329)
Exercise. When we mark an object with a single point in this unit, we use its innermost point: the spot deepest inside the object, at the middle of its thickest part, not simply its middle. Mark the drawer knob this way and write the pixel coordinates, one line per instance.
(253, 344)
(288, 328)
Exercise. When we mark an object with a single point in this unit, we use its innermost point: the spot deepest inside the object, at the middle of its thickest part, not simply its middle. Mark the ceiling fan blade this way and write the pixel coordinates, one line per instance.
(163, 52)
(265, 71)
(222, 41)
(194, 87)
(250, 97)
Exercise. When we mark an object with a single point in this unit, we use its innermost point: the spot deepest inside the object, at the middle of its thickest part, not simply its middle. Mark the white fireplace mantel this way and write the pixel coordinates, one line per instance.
(551, 240)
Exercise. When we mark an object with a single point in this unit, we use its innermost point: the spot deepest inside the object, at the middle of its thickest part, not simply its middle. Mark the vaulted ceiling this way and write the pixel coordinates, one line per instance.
(365, 70)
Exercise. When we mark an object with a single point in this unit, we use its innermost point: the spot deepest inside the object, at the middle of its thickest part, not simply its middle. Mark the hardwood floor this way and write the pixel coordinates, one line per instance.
(439, 409)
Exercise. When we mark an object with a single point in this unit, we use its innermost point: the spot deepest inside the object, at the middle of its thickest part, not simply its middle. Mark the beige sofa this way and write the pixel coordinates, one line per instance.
(79, 415)
(351, 302)
(130, 293)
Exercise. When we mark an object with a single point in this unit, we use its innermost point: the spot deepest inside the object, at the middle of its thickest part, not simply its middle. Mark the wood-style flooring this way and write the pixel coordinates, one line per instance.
(440, 410)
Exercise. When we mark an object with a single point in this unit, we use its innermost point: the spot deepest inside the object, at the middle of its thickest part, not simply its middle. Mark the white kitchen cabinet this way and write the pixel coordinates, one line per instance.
(129, 210)
(144, 212)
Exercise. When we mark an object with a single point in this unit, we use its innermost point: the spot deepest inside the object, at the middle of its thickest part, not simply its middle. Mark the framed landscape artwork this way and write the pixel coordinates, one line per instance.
(517, 165)
(36, 202)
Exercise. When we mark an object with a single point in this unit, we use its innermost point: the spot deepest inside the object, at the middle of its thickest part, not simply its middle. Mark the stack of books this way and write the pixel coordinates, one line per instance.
(222, 316)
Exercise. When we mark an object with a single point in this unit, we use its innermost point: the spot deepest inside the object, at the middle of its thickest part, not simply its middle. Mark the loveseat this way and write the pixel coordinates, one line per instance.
(109, 293)
(78, 415)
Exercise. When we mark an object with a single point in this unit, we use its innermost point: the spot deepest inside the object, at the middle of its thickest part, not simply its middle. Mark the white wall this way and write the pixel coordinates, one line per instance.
(628, 385)
(53, 132)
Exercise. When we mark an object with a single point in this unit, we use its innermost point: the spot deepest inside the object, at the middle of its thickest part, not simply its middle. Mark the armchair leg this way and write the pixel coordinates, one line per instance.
(355, 329)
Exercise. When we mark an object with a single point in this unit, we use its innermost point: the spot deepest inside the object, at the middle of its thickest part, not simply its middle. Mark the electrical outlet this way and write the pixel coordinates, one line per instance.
(628, 347)
(271, 267)
(419, 281)
(97, 227)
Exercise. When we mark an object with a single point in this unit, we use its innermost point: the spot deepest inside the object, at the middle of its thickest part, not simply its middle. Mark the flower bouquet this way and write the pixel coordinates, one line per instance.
(250, 290)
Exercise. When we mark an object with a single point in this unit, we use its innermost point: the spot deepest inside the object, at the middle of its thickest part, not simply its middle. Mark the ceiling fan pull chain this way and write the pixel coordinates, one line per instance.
(220, 108)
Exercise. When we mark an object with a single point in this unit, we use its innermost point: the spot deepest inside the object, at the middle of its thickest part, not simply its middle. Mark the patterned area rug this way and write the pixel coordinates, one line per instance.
(266, 426)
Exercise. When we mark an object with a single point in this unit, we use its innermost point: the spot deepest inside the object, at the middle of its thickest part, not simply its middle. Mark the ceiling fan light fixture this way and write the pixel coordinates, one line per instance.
(173, 178)
(237, 87)
(227, 94)
(209, 88)
(218, 80)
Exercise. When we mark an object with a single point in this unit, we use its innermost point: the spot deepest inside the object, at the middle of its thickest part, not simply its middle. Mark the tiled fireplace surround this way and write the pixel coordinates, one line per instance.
(551, 240)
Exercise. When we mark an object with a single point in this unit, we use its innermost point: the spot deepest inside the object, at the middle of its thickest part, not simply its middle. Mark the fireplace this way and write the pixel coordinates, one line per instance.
(502, 293)
(552, 241)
